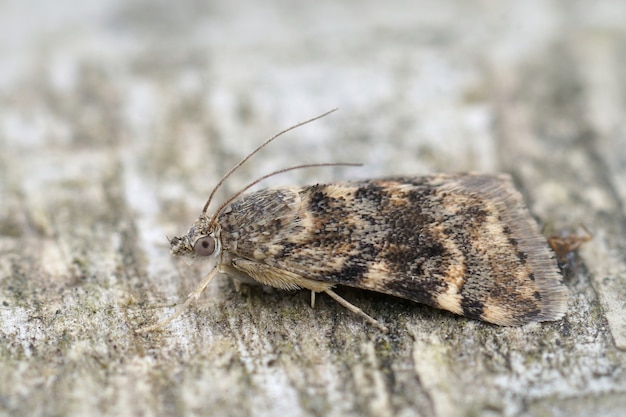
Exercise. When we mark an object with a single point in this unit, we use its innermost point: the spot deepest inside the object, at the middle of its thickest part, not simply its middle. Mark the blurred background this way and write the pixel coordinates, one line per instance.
(118, 117)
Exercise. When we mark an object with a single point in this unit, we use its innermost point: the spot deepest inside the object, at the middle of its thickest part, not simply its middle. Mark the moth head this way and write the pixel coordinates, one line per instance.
(200, 241)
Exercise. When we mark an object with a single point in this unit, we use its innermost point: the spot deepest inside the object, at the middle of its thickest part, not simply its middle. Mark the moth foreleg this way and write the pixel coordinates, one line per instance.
(181, 309)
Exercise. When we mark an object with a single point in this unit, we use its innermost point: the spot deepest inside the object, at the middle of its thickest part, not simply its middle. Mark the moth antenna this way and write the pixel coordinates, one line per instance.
(258, 148)
(271, 174)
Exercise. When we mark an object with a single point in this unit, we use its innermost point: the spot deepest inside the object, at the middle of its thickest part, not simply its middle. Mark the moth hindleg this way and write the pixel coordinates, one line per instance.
(356, 310)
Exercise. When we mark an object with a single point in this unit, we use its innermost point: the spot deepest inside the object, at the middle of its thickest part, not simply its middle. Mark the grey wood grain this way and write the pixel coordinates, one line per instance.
(117, 119)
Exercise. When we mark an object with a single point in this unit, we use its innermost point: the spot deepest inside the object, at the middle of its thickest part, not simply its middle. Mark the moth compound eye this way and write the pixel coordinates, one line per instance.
(205, 246)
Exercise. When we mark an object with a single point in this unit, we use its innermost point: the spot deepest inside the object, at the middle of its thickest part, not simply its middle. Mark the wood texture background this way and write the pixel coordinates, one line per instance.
(117, 118)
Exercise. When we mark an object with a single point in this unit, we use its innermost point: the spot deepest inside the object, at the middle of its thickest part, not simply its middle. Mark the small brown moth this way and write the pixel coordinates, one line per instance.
(465, 243)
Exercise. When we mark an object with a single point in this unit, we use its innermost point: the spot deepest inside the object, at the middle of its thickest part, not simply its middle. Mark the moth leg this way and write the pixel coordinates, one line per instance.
(312, 299)
(241, 287)
(356, 310)
(181, 309)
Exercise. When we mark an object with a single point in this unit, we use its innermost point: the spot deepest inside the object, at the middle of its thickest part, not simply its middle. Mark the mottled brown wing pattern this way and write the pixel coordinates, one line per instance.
(464, 243)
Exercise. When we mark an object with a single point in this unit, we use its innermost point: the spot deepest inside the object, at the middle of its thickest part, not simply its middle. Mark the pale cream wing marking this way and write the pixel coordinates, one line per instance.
(278, 278)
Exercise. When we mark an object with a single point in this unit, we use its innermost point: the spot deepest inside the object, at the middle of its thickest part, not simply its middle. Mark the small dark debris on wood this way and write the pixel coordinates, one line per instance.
(565, 245)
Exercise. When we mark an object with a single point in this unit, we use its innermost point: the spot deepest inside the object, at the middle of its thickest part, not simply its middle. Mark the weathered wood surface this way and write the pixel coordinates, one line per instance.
(116, 120)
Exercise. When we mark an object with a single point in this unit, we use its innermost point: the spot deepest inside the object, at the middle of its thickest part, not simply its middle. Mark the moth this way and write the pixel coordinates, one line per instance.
(465, 243)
